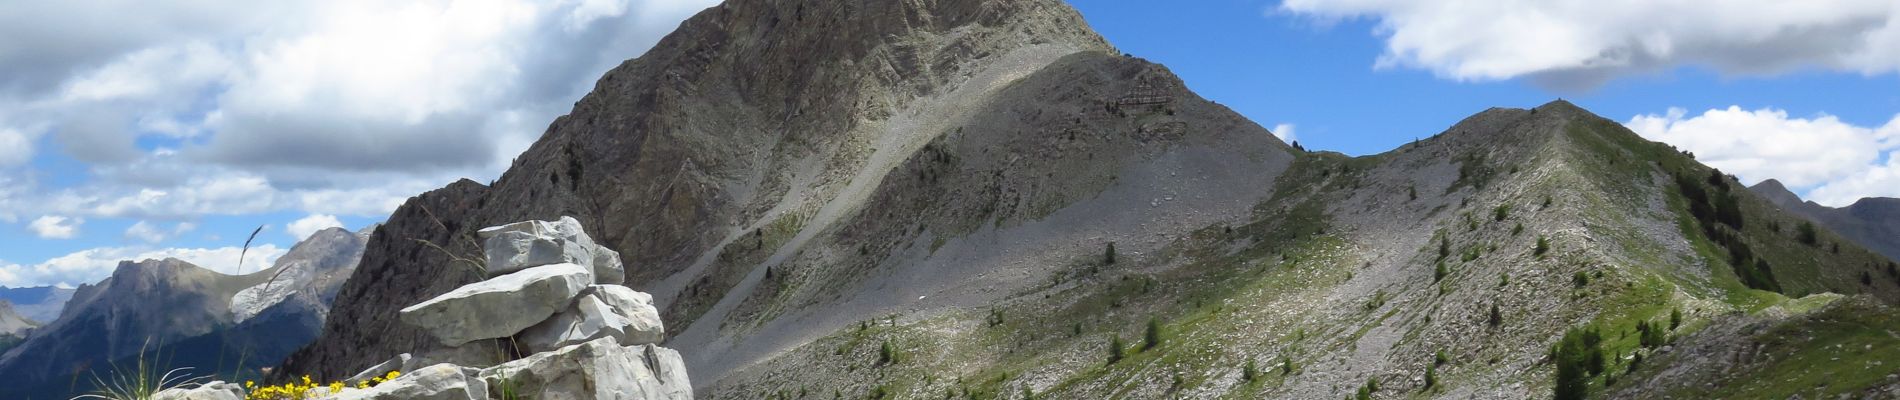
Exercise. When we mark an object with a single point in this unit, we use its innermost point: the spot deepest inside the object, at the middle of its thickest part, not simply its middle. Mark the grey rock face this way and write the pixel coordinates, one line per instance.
(313, 269)
(499, 307)
(527, 244)
(598, 369)
(216, 390)
(662, 174)
(604, 311)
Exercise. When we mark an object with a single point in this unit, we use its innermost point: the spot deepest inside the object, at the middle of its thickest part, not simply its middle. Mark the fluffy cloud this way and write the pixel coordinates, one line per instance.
(1580, 44)
(92, 265)
(295, 104)
(1284, 132)
(1836, 162)
(150, 233)
(55, 227)
(15, 148)
(302, 228)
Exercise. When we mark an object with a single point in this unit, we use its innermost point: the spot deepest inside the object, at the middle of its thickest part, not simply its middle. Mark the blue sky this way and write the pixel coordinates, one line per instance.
(174, 129)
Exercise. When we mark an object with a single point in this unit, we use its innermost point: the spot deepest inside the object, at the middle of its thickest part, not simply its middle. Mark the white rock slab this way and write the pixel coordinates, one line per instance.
(216, 390)
(601, 311)
(499, 307)
(598, 369)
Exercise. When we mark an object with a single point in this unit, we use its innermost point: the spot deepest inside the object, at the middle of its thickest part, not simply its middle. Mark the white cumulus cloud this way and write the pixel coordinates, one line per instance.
(324, 107)
(56, 227)
(15, 147)
(92, 265)
(1583, 43)
(1835, 161)
(151, 233)
(1284, 132)
(302, 228)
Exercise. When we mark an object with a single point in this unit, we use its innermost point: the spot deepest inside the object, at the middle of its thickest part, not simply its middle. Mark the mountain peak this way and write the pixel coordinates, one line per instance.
(1561, 105)
(1779, 195)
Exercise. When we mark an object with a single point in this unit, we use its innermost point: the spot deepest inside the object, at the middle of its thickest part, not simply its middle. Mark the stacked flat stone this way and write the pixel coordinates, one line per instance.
(560, 295)
(551, 284)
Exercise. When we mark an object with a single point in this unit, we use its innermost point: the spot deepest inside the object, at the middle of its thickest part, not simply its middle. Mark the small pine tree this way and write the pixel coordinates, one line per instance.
(1249, 373)
(1543, 245)
(1580, 279)
(1109, 255)
(1444, 248)
(1431, 375)
(1152, 338)
(1515, 230)
(1675, 318)
(1578, 356)
(1806, 234)
(1503, 211)
(1497, 317)
(1286, 365)
(1372, 384)
(1411, 192)
(1115, 350)
(1440, 359)
(1438, 274)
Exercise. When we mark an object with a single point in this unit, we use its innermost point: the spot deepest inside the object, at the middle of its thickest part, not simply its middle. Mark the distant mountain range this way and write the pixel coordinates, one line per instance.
(40, 304)
(184, 316)
(1873, 222)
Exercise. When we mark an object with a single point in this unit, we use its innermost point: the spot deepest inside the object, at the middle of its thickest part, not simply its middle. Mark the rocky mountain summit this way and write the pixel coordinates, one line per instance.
(983, 199)
(574, 333)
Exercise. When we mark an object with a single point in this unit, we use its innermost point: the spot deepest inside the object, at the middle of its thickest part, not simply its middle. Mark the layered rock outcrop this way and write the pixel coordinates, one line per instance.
(584, 340)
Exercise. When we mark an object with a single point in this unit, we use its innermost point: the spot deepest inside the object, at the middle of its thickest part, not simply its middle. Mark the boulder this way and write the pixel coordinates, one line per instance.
(601, 311)
(435, 382)
(216, 390)
(527, 244)
(607, 267)
(508, 252)
(500, 306)
(598, 369)
(667, 364)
